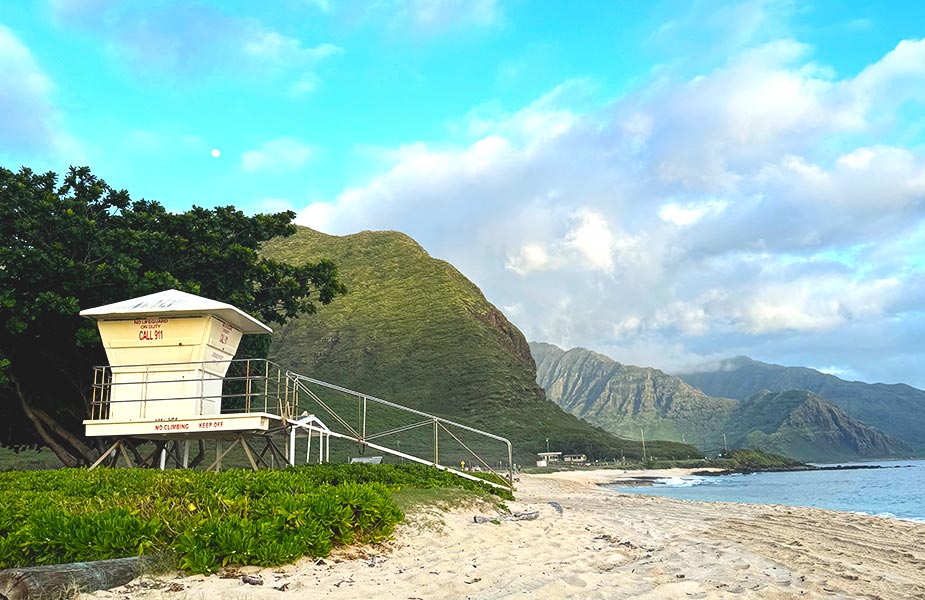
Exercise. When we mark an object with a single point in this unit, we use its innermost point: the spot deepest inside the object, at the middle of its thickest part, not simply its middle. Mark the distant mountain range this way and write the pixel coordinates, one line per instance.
(624, 399)
(630, 400)
(801, 424)
(415, 331)
(896, 409)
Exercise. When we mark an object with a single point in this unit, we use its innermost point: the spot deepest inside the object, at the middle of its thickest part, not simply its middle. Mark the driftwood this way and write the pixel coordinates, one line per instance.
(54, 582)
(524, 516)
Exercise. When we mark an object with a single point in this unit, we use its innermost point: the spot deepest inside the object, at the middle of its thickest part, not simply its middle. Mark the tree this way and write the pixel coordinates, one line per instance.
(83, 244)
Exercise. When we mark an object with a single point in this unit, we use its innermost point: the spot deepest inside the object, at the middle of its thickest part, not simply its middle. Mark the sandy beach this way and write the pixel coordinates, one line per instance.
(589, 542)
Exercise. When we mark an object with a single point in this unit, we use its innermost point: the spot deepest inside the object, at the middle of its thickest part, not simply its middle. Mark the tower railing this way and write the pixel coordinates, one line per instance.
(249, 385)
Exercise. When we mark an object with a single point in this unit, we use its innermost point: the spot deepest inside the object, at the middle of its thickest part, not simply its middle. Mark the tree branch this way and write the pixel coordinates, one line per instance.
(66, 458)
(85, 452)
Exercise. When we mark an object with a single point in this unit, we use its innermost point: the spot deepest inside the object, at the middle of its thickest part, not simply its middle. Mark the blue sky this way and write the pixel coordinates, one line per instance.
(668, 183)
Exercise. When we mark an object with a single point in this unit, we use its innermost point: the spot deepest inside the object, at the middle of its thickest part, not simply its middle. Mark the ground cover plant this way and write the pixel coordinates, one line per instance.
(206, 520)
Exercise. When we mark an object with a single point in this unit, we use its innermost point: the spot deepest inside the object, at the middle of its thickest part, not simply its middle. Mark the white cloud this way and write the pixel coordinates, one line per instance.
(318, 216)
(439, 16)
(322, 5)
(690, 213)
(856, 159)
(278, 156)
(593, 240)
(752, 209)
(269, 45)
(191, 41)
(30, 123)
(816, 304)
(306, 84)
(531, 257)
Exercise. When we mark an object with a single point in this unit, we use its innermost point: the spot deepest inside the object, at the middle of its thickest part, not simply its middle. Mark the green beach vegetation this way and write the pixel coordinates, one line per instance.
(206, 520)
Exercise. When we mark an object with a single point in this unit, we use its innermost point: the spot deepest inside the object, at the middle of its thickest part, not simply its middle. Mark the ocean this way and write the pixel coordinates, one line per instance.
(897, 491)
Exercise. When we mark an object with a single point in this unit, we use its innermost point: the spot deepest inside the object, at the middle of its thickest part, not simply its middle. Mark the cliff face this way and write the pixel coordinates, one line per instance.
(898, 409)
(630, 400)
(808, 428)
(624, 399)
(413, 330)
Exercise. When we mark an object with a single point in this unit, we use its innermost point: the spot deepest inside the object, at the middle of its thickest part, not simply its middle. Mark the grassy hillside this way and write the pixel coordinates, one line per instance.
(415, 331)
(898, 409)
(626, 400)
(804, 426)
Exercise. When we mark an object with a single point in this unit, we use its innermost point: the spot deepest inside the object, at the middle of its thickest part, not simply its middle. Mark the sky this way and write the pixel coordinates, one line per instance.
(668, 183)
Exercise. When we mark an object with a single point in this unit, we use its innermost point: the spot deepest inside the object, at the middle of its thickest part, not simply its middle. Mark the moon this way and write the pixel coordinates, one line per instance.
(216, 153)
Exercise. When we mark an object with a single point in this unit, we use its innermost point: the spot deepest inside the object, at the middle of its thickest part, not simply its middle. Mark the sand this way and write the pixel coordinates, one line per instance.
(601, 545)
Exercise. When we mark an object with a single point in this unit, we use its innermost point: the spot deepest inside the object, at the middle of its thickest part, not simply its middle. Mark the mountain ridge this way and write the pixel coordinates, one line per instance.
(897, 409)
(624, 399)
(413, 330)
(650, 398)
(809, 429)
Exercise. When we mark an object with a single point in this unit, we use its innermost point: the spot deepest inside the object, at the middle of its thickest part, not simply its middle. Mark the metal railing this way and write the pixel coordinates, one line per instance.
(258, 385)
(249, 385)
(383, 426)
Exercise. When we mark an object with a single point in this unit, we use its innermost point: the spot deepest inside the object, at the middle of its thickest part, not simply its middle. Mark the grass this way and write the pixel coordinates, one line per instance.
(415, 331)
(411, 499)
(737, 460)
(208, 520)
(27, 459)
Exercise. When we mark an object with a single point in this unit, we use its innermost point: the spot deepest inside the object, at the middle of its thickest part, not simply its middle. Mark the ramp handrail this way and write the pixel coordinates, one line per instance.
(359, 434)
(264, 380)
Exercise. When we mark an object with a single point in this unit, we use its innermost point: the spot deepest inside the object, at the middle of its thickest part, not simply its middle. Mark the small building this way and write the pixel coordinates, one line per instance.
(547, 457)
(575, 458)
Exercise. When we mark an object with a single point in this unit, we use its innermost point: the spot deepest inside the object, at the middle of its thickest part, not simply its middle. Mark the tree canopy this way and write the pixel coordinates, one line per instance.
(79, 244)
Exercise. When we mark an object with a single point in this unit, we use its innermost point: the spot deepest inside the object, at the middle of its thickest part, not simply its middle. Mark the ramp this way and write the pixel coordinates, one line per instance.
(259, 400)
(406, 433)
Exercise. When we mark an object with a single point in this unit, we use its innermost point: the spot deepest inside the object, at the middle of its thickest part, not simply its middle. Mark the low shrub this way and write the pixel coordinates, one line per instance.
(207, 520)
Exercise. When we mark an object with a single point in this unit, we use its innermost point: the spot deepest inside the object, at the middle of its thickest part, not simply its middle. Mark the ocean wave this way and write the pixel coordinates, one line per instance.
(679, 482)
(889, 515)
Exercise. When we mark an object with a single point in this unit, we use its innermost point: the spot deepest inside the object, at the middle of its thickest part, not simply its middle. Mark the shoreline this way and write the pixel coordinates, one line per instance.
(590, 543)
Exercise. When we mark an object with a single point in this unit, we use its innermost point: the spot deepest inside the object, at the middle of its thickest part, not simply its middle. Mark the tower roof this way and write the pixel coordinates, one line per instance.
(175, 303)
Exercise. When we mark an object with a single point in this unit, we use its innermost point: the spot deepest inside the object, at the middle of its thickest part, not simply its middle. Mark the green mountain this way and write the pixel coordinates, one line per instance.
(413, 330)
(624, 399)
(898, 410)
(804, 426)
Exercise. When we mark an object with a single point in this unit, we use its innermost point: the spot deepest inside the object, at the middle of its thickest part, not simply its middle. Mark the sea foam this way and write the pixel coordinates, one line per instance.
(680, 482)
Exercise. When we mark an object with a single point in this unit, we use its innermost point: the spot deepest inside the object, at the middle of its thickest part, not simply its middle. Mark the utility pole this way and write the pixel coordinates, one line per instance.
(547, 445)
(643, 434)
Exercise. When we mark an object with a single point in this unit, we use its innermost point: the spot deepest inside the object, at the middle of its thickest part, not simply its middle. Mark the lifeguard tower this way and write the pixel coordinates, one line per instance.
(169, 359)
(172, 378)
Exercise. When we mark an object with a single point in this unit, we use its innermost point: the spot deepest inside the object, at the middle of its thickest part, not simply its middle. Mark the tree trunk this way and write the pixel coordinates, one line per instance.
(82, 449)
(45, 426)
(199, 456)
(57, 582)
(134, 450)
(66, 458)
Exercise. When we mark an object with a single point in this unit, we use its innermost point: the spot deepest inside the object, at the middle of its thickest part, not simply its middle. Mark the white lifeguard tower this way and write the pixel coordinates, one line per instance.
(172, 378)
(169, 357)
